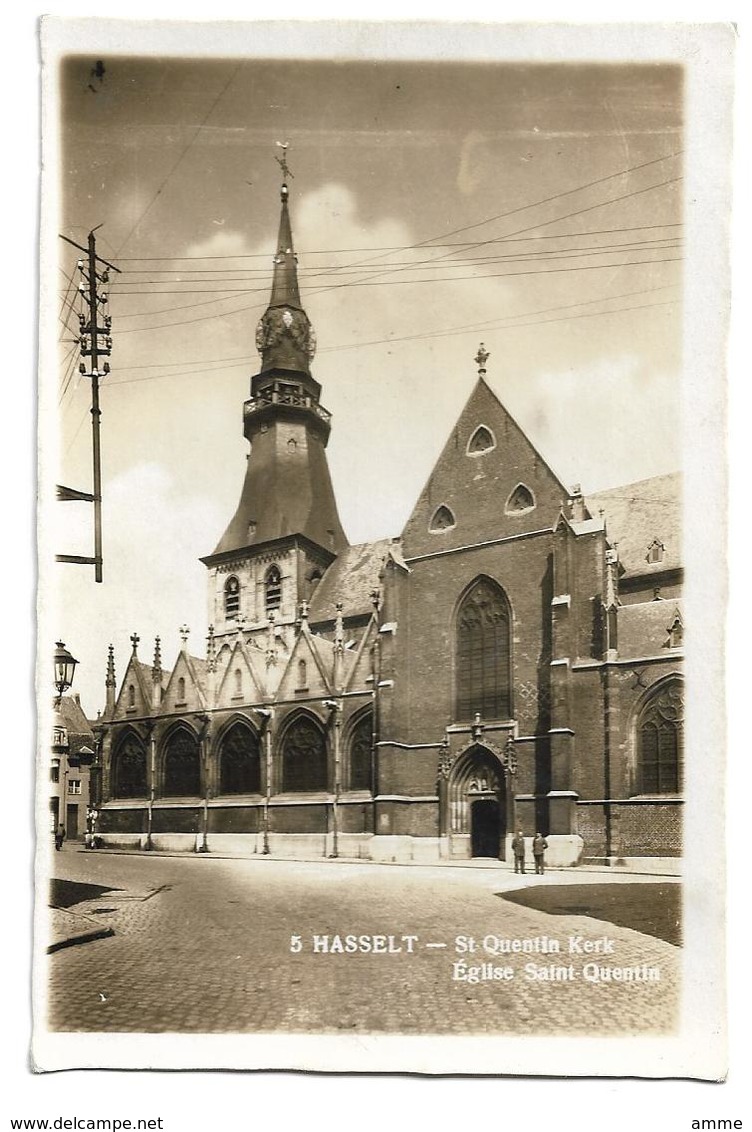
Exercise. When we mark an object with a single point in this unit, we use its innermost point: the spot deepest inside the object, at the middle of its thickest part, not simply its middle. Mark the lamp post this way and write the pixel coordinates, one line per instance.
(64, 669)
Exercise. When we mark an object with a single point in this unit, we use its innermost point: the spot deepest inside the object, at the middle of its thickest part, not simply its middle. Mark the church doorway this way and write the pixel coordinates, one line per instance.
(485, 827)
(476, 801)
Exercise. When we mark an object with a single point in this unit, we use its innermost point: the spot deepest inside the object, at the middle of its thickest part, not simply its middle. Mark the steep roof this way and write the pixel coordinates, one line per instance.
(351, 578)
(644, 628)
(77, 725)
(639, 513)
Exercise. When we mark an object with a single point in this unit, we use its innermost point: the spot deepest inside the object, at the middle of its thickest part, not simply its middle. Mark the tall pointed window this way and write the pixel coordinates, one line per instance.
(239, 761)
(273, 589)
(660, 741)
(182, 765)
(129, 768)
(359, 751)
(304, 762)
(181, 690)
(482, 653)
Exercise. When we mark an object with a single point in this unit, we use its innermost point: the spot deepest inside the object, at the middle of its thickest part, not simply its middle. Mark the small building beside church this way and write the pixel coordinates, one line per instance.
(512, 660)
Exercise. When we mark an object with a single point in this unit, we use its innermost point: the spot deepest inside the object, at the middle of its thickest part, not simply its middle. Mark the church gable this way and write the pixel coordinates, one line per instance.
(489, 482)
(135, 691)
(183, 691)
(239, 682)
(308, 671)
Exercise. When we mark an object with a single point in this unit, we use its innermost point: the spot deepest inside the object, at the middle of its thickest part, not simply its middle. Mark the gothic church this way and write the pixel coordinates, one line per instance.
(511, 661)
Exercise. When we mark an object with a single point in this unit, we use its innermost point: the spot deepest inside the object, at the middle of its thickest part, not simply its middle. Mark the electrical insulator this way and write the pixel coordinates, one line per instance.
(81, 368)
(103, 297)
(80, 265)
(81, 321)
(106, 367)
(82, 342)
(105, 276)
(82, 288)
(108, 321)
(108, 343)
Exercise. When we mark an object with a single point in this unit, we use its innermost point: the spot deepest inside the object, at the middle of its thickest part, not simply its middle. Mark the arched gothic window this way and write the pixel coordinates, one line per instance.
(520, 499)
(238, 682)
(443, 519)
(304, 762)
(273, 589)
(239, 761)
(131, 695)
(129, 768)
(359, 751)
(482, 653)
(302, 674)
(232, 597)
(660, 740)
(182, 765)
(481, 441)
(181, 689)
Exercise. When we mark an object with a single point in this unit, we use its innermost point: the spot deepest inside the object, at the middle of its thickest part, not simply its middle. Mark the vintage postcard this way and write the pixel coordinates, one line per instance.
(381, 688)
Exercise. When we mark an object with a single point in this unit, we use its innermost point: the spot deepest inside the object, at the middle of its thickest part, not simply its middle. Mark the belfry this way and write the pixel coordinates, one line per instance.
(512, 661)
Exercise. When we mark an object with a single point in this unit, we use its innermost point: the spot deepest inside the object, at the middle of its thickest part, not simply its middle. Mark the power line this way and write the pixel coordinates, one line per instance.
(252, 274)
(388, 248)
(184, 151)
(211, 365)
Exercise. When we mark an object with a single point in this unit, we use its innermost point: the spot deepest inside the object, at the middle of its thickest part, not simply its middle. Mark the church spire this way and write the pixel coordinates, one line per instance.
(284, 336)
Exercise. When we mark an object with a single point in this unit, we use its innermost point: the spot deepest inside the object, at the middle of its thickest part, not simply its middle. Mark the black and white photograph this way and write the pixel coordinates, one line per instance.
(380, 680)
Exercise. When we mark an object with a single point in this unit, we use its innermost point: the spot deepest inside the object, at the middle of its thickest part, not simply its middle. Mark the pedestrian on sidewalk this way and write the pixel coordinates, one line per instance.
(539, 848)
(59, 837)
(518, 848)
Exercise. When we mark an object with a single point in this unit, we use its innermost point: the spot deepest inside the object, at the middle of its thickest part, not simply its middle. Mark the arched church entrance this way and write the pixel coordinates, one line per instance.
(477, 798)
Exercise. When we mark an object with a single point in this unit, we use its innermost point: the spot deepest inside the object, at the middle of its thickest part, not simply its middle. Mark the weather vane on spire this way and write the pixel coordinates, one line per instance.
(282, 161)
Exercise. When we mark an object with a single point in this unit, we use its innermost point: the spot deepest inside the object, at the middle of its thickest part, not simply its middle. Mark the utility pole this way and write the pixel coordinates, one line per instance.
(95, 339)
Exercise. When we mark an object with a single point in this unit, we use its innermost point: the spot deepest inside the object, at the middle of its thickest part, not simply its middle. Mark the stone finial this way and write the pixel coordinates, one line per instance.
(304, 607)
(481, 358)
(134, 641)
(339, 628)
(211, 650)
(156, 670)
(184, 633)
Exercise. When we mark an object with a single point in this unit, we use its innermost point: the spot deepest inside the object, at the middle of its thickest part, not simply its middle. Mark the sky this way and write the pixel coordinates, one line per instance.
(537, 208)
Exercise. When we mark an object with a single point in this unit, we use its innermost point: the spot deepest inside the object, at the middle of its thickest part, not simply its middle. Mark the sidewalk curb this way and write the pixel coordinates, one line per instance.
(608, 870)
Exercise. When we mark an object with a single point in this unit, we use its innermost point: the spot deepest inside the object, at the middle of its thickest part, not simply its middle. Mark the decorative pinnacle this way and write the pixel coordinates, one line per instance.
(134, 641)
(156, 670)
(110, 681)
(184, 632)
(481, 358)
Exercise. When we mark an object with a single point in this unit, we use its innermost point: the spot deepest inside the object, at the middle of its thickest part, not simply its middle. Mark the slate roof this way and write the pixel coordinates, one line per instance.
(77, 725)
(638, 513)
(350, 579)
(644, 627)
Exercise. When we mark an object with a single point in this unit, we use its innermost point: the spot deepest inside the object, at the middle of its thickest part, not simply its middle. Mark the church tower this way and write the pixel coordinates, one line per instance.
(286, 530)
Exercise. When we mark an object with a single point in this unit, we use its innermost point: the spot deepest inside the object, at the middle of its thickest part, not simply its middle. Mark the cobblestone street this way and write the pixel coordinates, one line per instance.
(204, 945)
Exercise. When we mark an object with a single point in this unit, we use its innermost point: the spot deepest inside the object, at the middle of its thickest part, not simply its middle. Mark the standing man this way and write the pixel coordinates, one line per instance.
(59, 837)
(518, 848)
(539, 848)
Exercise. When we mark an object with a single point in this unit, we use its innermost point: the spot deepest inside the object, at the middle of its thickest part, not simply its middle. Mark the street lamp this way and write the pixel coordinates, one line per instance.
(65, 667)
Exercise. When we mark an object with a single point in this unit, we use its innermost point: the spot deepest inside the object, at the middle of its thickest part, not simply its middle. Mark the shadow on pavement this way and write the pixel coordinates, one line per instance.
(66, 893)
(654, 909)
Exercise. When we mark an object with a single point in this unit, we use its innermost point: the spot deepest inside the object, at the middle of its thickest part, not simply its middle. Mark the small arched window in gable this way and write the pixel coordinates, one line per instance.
(655, 551)
(232, 597)
(443, 520)
(238, 682)
(482, 441)
(302, 675)
(131, 695)
(273, 589)
(520, 500)
(181, 689)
